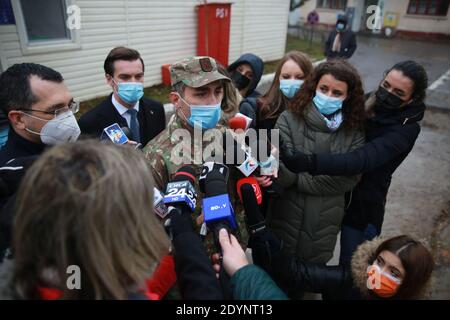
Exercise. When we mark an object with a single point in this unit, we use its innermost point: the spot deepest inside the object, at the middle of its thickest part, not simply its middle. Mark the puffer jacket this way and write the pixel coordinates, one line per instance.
(308, 215)
(253, 283)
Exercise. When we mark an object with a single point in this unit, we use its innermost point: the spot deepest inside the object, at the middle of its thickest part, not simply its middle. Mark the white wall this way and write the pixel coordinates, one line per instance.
(162, 31)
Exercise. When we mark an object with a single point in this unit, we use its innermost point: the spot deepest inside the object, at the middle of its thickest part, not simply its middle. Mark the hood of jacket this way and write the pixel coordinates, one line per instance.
(361, 259)
(257, 66)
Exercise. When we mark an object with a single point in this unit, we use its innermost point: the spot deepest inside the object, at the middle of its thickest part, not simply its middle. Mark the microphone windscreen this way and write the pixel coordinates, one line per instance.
(185, 173)
(237, 123)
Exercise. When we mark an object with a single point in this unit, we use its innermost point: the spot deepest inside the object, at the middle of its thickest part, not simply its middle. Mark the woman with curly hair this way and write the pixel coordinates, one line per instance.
(326, 116)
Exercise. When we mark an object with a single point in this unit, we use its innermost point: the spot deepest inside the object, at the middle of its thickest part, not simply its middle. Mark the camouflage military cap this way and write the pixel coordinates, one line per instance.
(196, 72)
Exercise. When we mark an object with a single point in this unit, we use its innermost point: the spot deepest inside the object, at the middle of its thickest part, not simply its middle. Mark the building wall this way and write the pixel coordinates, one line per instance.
(162, 31)
(406, 22)
(415, 23)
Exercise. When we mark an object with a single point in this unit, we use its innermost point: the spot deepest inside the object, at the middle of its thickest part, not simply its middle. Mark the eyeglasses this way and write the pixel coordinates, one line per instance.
(73, 106)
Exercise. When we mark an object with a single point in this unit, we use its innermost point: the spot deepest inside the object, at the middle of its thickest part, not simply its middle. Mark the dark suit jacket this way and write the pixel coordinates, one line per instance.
(151, 117)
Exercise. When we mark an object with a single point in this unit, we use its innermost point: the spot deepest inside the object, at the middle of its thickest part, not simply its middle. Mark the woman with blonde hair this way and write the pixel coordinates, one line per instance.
(86, 206)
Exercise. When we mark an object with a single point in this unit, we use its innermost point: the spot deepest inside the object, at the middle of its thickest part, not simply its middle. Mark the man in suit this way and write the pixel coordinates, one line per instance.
(124, 72)
(341, 43)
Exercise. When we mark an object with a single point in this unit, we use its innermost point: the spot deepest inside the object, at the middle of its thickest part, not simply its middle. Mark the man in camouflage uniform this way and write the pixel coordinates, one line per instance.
(197, 83)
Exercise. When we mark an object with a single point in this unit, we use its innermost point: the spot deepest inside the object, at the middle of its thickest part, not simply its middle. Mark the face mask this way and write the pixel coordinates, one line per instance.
(130, 92)
(63, 128)
(290, 87)
(387, 99)
(340, 26)
(204, 116)
(382, 283)
(327, 105)
(240, 81)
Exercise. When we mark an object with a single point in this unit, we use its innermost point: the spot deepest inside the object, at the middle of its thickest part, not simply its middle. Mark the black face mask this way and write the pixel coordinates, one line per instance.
(387, 99)
(240, 81)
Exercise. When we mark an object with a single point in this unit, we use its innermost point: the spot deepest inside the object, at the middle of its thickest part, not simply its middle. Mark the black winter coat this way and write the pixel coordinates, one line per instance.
(348, 45)
(390, 137)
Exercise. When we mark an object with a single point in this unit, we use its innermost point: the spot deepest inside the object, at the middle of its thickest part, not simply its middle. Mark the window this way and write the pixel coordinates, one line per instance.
(6, 13)
(42, 25)
(332, 4)
(429, 7)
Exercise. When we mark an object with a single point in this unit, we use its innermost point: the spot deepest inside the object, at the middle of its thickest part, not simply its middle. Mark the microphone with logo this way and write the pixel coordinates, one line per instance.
(237, 151)
(218, 214)
(262, 241)
(181, 199)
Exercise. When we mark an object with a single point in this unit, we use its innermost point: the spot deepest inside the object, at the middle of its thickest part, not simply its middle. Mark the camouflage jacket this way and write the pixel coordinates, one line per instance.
(160, 151)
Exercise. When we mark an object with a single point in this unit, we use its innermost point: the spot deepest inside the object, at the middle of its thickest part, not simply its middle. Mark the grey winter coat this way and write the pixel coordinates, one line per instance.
(309, 213)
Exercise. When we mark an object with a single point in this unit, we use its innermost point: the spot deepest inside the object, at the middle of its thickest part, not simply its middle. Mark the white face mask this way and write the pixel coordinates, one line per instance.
(63, 128)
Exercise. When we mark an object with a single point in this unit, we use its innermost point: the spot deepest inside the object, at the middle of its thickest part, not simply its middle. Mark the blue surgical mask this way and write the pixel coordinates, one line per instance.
(327, 105)
(130, 92)
(340, 26)
(204, 116)
(289, 87)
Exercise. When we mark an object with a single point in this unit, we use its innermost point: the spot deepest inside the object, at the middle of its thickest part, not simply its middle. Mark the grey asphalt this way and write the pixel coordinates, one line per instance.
(375, 55)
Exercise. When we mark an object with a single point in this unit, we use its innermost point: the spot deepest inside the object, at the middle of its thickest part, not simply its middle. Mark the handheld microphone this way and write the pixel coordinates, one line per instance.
(255, 220)
(158, 204)
(209, 167)
(236, 146)
(217, 208)
(115, 134)
(180, 192)
(218, 214)
(238, 123)
(254, 184)
(127, 132)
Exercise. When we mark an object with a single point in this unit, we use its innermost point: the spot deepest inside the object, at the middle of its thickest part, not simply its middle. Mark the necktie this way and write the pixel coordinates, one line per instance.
(134, 125)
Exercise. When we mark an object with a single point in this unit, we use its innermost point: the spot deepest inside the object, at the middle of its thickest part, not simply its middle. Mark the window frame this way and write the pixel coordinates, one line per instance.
(29, 48)
(332, 6)
(427, 14)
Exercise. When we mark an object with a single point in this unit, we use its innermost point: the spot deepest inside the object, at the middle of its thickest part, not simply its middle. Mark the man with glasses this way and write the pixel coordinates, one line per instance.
(40, 110)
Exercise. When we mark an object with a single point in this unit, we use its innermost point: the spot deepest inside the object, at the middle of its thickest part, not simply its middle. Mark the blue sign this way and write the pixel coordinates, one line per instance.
(6, 12)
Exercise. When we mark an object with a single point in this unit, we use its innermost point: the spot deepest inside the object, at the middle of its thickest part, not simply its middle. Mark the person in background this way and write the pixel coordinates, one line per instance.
(246, 72)
(231, 98)
(341, 42)
(126, 105)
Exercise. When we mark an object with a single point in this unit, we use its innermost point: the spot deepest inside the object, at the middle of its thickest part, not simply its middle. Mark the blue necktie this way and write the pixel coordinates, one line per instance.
(134, 125)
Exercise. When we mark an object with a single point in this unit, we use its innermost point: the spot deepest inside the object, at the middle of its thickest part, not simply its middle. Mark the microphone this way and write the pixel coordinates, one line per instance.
(237, 122)
(158, 204)
(249, 198)
(180, 192)
(217, 208)
(180, 199)
(209, 167)
(127, 132)
(235, 144)
(254, 184)
(115, 134)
